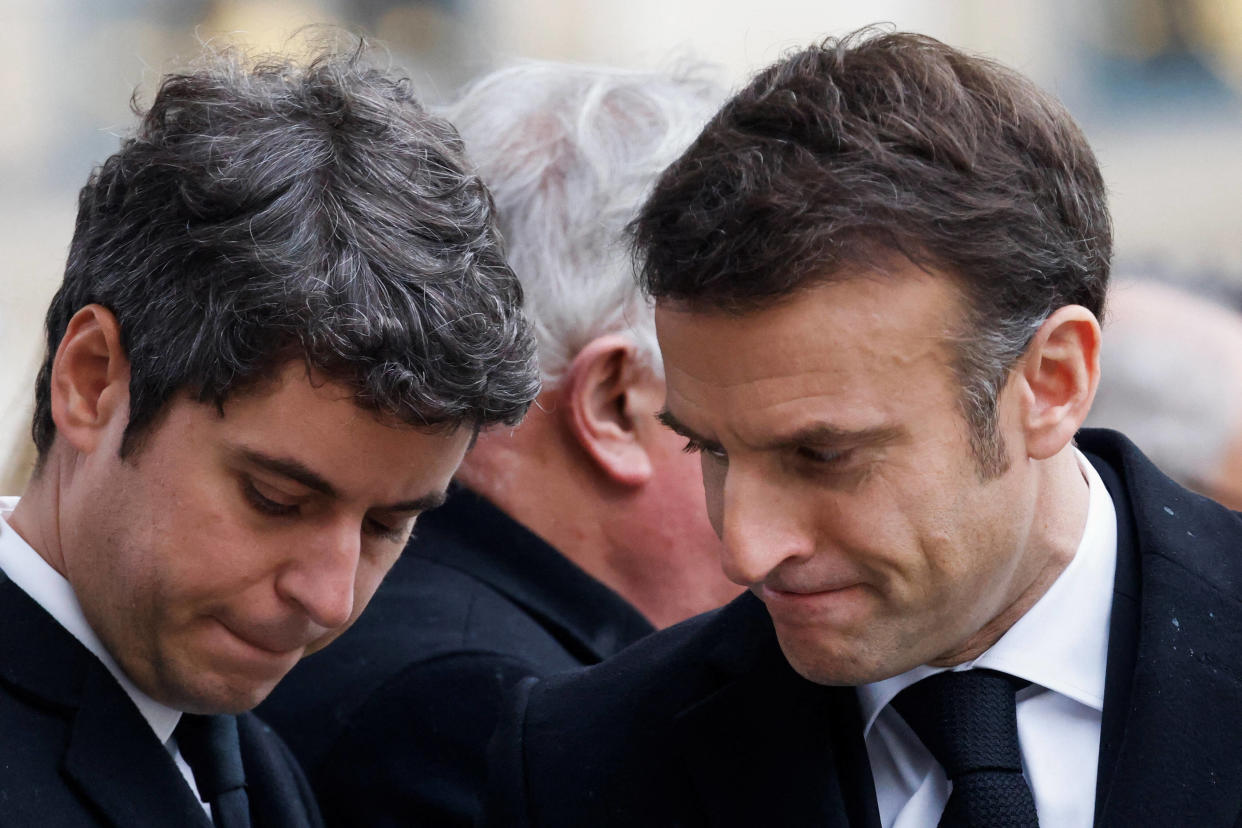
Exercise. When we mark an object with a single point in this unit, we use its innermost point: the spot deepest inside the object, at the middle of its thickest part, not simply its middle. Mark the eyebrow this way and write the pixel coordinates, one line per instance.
(823, 434)
(816, 434)
(299, 473)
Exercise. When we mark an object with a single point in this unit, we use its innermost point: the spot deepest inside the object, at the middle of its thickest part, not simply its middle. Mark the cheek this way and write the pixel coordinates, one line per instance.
(370, 574)
(209, 555)
(964, 552)
(123, 545)
(905, 550)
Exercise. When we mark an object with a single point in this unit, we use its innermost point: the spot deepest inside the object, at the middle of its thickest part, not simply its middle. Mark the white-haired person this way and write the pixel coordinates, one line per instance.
(572, 535)
(1172, 382)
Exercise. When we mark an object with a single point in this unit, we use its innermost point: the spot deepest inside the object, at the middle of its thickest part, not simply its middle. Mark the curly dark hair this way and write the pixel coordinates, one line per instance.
(270, 211)
(880, 143)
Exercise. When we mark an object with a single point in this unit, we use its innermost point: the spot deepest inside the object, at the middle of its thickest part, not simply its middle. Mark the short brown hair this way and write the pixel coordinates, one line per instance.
(878, 143)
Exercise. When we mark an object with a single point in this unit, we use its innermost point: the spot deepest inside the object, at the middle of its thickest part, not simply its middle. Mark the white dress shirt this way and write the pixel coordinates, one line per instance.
(48, 588)
(1061, 646)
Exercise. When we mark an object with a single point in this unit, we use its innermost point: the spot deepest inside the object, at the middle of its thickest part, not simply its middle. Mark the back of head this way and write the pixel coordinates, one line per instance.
(569, 153)
(271, 211)
(843, 154)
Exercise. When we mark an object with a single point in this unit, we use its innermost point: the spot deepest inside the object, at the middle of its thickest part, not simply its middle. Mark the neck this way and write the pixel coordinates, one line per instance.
(36, 517)
(531, 474)
(1059, 520)
(539, 477)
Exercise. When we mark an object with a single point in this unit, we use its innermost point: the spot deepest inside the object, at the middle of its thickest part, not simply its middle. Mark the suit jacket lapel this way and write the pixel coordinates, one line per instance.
(1173, 731)
(117, 762)
(112, 755)
(1122, 638)
(771, 748)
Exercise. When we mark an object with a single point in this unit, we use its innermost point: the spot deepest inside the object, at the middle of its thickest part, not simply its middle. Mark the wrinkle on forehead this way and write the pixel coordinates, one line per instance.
(865, 315)
(845, 358)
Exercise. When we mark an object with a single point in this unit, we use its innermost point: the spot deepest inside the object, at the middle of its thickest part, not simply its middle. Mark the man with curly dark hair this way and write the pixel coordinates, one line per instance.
(285, 316)
(570, 536)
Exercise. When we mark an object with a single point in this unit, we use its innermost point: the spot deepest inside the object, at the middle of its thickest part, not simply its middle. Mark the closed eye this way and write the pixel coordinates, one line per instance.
(264, 504)
(836, 467)
(388, 532)
(822, 456)
(714, 450)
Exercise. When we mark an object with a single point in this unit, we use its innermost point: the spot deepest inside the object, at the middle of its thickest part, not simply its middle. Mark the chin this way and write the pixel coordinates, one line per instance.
(220, 696)
(831, 667)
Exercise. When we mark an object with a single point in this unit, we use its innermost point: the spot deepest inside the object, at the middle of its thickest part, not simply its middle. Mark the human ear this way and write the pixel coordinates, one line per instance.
(1060, 372)
(600, 409)
(90, 378)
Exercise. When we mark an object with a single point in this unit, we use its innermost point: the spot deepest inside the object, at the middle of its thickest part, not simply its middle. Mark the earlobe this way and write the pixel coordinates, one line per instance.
(600, 411)
(1061, 370)
(90, 378)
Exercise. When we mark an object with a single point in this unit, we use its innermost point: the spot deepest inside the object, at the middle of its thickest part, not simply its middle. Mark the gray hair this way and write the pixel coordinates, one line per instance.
(274, 211)
(1171, 377)
(570, 152)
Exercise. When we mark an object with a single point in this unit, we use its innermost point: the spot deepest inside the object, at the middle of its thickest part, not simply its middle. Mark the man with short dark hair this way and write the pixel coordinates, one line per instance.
(570, 536)
(285, 315)
(878, 274)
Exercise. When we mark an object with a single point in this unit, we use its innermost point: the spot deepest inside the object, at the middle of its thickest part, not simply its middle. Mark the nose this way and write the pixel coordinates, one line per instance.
(320, 577)
(761, 526)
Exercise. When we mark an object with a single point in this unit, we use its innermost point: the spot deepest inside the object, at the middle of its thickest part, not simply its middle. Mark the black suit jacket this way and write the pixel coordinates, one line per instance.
(392, 720)
(75, 751)
(706, 724)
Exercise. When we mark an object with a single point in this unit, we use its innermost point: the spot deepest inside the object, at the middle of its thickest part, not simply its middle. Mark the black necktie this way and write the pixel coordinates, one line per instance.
(211, 748)
(968, 721)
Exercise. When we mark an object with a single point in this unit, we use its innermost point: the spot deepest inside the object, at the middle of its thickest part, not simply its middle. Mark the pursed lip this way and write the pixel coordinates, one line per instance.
(276, 645)
(808, 603)
(805, 592)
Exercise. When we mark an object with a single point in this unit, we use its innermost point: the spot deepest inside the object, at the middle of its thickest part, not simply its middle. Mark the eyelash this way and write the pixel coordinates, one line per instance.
(268, 506)
(384, 532)
(265, 504)
(695, 447)
(823, 458)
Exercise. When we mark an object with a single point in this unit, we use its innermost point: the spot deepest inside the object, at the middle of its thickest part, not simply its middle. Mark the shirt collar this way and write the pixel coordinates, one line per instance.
(27, 569)
(1061, 643)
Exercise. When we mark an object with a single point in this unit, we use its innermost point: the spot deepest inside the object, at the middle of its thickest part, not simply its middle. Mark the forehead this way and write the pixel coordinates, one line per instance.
(848, 348)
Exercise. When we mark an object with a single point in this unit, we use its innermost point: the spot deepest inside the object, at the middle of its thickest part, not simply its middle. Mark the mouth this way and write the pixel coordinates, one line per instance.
(813, 605)
(257, 648)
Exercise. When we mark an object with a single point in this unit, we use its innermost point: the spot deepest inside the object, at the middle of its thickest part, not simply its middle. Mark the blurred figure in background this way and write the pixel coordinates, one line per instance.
(573, 535)
(1172, 382)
